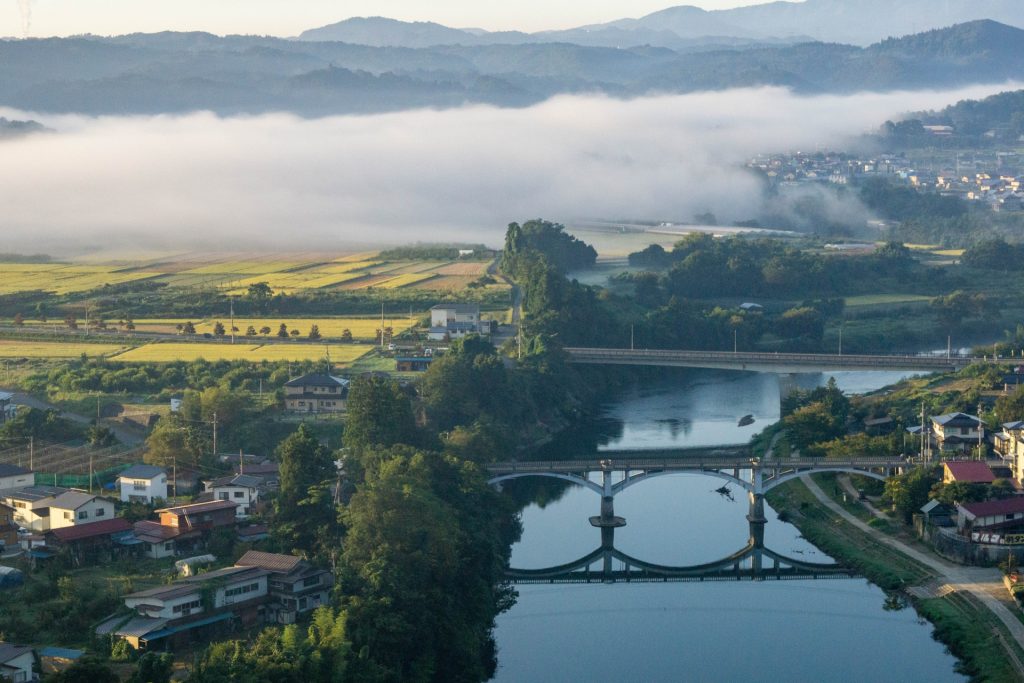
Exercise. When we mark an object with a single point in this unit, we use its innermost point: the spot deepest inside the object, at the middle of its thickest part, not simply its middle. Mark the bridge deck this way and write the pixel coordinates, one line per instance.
(788, 362)
(682, 464)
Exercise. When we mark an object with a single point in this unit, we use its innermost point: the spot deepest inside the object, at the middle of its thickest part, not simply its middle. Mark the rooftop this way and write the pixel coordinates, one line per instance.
(995, 507)
(71, 500)
(971, 471)
(458, 308)
(142, 472)
(34, 493)
(9, 651)
(951, 418)
(12, 470)
(273, 562)
(243, 480)
(92, 530)
(317, 380)
(197, 508)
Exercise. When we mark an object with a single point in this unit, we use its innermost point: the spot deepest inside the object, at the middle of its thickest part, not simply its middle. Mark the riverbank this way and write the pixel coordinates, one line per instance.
(969, 629)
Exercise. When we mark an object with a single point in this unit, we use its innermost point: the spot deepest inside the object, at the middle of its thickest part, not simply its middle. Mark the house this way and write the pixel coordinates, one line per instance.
(242, 489)
(191, 607)
(879, 426)
(316, 393)
(454, 321)
(957, 432)
(199, 516)
(41, 508)
(1004, 516)
(268, 471)
(13, 477)
(296, 586)
(16, 662)
(160, 541)
(968, 472)
(91, 542)
(8, 529)
(938, 513)
(183, 528)
(1009, 444)
(143, 484)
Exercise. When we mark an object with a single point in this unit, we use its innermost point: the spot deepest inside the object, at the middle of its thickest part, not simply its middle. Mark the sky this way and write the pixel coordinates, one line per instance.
(291, 17)
(279, 181)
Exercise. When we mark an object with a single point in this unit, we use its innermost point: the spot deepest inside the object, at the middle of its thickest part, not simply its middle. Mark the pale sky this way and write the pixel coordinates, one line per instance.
(291, 17)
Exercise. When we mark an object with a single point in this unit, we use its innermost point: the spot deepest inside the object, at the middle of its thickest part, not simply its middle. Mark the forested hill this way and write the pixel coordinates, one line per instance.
(177, 72)
(997, 119)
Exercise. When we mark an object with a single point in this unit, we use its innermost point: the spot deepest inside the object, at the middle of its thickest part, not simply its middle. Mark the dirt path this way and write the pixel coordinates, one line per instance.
(125, 435)
(983, 583)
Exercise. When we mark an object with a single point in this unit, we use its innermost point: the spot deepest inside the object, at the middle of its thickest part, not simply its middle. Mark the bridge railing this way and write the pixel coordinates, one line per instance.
(894, 360)
(637, 464)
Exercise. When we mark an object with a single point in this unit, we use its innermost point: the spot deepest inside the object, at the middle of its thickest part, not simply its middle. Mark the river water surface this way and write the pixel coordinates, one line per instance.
(799, 630)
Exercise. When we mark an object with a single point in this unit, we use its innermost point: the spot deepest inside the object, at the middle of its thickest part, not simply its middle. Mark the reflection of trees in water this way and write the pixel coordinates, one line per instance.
(677, 426)
(541, 491)
(581, 441)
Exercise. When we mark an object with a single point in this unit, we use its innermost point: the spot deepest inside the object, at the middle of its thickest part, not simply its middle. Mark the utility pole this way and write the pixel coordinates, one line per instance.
(31, 452)
(232, 318)
(735, 341)
(261, 392)
(949, 346)
(840, 339)
(215, 435)
(923, 450)
(174, 475)
(981, 431)
(90, 473)
(382, 325)
(241, 462)
(631, 337)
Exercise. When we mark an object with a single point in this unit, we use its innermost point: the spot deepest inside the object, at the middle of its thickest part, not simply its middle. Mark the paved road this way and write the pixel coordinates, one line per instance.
(125, 435)
(983, 583)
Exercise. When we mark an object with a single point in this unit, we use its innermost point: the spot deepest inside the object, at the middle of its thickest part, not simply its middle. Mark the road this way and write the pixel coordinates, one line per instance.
(984, 583)
(125, 435)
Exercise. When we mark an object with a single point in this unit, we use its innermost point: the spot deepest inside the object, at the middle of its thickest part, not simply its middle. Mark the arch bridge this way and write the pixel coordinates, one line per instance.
(750, 474)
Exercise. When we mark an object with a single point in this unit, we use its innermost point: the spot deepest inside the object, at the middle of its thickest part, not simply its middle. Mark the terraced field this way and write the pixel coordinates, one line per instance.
(168, 352)
(60, 278)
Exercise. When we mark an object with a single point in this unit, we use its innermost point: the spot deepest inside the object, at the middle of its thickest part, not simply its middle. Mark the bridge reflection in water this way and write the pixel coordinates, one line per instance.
(608, 564)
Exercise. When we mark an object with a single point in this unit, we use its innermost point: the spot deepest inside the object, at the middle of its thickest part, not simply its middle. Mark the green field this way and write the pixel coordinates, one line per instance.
(879, 299)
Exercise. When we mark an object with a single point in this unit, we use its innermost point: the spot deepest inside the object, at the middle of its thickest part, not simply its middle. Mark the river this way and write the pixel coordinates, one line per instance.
(800, 630)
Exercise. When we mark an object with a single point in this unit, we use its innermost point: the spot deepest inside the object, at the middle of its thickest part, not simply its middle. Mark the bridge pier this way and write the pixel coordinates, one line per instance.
(755, 514)
(607, 518)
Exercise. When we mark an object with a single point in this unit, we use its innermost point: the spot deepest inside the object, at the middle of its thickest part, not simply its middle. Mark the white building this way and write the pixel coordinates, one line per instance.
(14, 477)
(143, 484)
(454, 321)
(243, 489)
(42, 508)
(16, 663)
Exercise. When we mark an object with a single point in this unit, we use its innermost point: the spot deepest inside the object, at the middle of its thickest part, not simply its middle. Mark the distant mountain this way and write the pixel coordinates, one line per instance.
(15, 129)
(177, 72)
(855, 22)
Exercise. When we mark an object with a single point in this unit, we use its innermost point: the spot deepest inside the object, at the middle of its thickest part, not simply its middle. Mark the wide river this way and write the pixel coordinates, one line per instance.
(800, 630)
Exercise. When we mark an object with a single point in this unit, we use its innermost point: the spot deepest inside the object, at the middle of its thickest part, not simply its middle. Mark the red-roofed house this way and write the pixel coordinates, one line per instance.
(1004, 515)
(91, 541)
(968, 472)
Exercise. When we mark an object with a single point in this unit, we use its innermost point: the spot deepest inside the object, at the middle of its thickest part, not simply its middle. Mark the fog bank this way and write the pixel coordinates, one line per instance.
(278, 181)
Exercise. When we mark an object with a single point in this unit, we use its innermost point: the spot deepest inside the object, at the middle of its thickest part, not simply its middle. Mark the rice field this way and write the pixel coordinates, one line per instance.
(286, 273)
(879, 299)
(176, 351)
(18, 349)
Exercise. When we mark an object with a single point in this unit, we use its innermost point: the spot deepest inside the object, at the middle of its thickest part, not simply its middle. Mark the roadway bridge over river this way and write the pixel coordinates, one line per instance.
(609, 477)
(781, 363)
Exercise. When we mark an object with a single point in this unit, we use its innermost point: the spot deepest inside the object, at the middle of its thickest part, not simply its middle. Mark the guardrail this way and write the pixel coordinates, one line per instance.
(738, 358)
(577, 466)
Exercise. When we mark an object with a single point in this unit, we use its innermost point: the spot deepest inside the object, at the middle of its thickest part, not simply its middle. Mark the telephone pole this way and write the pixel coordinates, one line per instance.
(215, 435)
(232, 314)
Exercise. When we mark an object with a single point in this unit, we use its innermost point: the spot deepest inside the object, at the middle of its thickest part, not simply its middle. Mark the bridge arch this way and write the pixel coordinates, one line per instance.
(573, 478)
(779, 481)
(630, 481)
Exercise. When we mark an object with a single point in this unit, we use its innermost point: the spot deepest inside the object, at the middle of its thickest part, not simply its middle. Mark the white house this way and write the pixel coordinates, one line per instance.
(454, 321)
(243, 489)
(42, 508)
(143, 484)
(16, 663)
(13, 477)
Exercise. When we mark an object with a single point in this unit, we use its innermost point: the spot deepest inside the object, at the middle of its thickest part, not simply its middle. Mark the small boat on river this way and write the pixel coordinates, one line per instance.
(746, 420)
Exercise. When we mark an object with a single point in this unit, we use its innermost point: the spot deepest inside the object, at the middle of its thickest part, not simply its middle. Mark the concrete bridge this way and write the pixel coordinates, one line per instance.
(613, 476)
(607, 564)
(781, 363)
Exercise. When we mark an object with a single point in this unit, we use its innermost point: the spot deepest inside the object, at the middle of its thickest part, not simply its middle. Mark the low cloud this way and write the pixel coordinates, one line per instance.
(278, 181)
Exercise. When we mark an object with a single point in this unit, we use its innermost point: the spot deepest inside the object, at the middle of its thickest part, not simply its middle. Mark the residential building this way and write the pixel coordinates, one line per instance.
(16, 663)
(8, 529)
(454, 321)
(957, 432)
(316, 393)
(296, 586)
(143, 484)
(41, 508)
(92, 542)
(199, 516)
(241, 489)
(185, 608)
(268, 471)
(13, 477)
(1003, 516)
(967, 472)
(160, 541)
(413, 363)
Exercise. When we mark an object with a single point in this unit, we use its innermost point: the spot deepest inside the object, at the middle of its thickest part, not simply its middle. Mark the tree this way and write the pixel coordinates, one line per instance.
(251, 331)
(153, 668)
(295, 333)
(71, 322)
(282, 331)
(218, 329)
(259, 294)
(265, 330)
(346, 335)
(174, 441)
(909, 491)
(189, 328)
(314, 332)
(379, 414)
(304, 512)
(88, 669)
(19, 320)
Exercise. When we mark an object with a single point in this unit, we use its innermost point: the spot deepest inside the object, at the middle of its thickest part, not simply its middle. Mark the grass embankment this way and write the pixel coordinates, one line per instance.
(971, 632)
